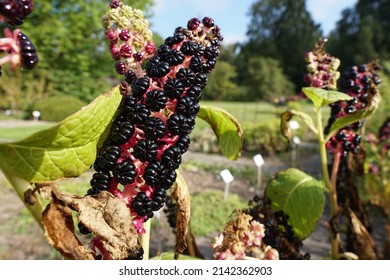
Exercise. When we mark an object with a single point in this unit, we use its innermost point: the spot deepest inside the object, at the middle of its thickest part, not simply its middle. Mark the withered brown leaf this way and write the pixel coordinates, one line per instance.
(182, 196)
(59, 230)
(108, 218)
(364, 245)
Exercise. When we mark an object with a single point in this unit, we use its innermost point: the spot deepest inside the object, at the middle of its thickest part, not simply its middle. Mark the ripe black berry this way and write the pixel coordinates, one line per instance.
(100, 181)
(196, 64)
(155, 68)
(29, 55)
(187, 106)
(107, 158)
(121, 132)
(138, 113)
(145, 150)
(156, 100)
(200, 80)
(183, 143)
(171, 158)
(187, 76)
(195, 92)
(124, 172)
(189, 48)
(154, 128)
(174, 88)
(174, 57)
(140, 86)
(179, 124)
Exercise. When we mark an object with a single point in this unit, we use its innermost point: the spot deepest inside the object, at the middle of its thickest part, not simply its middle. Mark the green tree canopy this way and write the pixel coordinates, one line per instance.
(362, 34)
(283, 30)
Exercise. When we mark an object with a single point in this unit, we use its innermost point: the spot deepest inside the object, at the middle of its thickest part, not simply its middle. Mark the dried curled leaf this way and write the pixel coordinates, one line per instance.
(108, 218)
(364, 245)
(59, 230)
(182, 196)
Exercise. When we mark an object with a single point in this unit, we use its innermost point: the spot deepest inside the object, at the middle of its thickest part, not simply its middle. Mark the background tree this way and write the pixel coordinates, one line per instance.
(283, 30)
(362, 34)
(266, 79)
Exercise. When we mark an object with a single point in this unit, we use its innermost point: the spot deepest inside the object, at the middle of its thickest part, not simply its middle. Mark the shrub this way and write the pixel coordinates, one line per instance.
(56, 108)
(264, 137)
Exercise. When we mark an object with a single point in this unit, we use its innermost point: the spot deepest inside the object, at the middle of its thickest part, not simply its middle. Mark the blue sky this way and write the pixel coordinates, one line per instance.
(232, 15)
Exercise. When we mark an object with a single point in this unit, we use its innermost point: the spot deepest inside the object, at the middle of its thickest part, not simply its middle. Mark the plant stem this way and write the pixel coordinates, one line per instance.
(21, 186)
(145, 239)
(331, 188)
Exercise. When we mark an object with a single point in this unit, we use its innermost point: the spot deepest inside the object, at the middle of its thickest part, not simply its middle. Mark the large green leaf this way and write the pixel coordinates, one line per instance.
(64, 150)
(300, 196)
(322, 97)
(227, 129)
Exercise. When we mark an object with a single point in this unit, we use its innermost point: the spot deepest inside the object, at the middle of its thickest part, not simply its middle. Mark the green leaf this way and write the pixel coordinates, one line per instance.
(288, 115)
(300, 196)
(322, 97)
(227, 129)
(65, 150)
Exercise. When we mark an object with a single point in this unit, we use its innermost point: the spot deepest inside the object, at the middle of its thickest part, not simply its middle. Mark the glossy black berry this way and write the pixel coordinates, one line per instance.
(156, 100)
(130, 76)
(121, 132)
(196, 64)
(187, 106)
(211, 52)
(183, 143)
(179, 124)
(174, 57)
(124, 172)
(107, 158)
(154, 128)
(14, 12)
(29, 57)
(138, 113)
(186, 75)
(163, 51)
(100, 181)
(200, 80)
(350, 109)
(189, 48)
(155, 68)
(174, 88)
(171, 158)
(139, 86)
(154, 174)
(195, 92)
(145, 150)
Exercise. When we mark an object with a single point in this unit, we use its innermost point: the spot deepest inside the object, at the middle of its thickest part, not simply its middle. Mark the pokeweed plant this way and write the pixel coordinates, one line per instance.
(133, 136)
(352, 98)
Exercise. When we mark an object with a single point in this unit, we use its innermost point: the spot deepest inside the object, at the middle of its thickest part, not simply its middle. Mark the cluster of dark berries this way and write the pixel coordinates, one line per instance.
(14, 12)
(359, 83)
(278, 233)
(322, 68)
(139, 158)
(19, 49)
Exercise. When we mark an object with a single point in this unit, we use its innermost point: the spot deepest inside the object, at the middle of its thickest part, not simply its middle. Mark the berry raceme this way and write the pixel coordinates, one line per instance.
(357, 82)
(322, 68)
(138, 160)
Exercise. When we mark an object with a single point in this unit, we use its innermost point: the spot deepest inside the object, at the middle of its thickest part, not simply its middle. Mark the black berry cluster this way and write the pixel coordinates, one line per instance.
(139, 158)
(278, 233)
(358, 83)
(14, 12)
